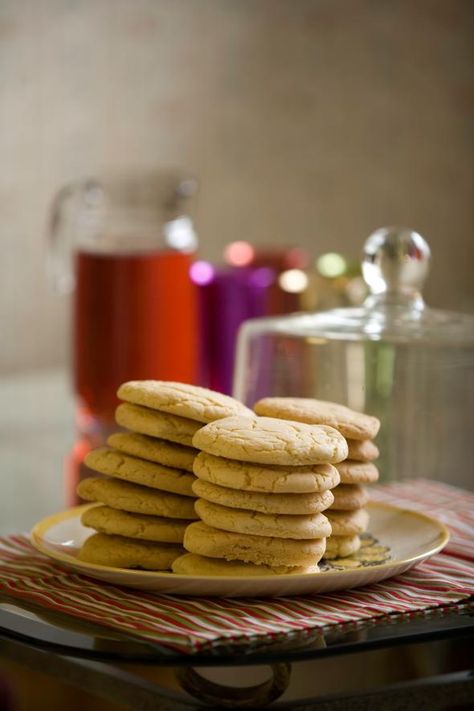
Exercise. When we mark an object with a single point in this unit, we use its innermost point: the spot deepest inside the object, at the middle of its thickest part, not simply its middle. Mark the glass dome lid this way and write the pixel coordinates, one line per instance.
(395, 265)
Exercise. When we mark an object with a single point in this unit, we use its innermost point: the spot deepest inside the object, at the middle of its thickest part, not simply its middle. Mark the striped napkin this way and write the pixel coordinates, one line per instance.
(188, 625)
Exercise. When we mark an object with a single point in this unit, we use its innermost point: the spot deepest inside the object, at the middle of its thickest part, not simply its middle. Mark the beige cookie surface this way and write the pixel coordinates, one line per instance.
(266, 440)
(120, 552)
(122, 523)
(156, 424)
(357, 472)
(265, 479)
(135, 498)
(264, 503)
(191, 401)
(362, 450)
(214, 543)
(298, 527)
(193, 564)
(348, 523)
(153, 449)
(350, 423)
(341, 546)
(139, 471)
(348, 497)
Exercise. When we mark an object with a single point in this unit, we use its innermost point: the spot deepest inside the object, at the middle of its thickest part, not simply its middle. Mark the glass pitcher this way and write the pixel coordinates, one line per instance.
(123, 246)
(411, 366)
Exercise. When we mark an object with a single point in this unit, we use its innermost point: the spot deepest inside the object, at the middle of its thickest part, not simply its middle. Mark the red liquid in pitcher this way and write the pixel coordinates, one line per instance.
(135, 318)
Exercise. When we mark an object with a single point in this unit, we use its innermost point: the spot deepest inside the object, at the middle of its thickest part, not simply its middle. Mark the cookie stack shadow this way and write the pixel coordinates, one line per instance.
(145, 501)
(347, 515)
(263, 485)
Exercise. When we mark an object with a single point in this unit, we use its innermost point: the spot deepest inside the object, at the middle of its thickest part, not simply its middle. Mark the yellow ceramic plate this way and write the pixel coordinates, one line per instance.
(398, 540)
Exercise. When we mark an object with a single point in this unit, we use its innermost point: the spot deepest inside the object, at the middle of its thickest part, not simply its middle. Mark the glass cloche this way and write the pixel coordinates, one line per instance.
(393, 357)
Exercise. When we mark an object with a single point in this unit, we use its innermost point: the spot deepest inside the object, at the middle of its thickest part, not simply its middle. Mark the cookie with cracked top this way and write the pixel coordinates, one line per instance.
(139, 471)
(146, 421)
(120, 552)
(105, 519)
(264, 503)
(194, 564)
(190, 401)
(134, 498)
(215, 543)
(267, 440)
(275, 479)
(153, 449)
(298, 527)
(356, 425)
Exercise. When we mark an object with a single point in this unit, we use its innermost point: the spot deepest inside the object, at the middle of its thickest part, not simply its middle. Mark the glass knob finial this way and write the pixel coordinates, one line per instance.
(395, 260)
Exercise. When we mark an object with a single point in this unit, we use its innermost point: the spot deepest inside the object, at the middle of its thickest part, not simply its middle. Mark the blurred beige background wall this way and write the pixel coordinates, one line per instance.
(307, 121)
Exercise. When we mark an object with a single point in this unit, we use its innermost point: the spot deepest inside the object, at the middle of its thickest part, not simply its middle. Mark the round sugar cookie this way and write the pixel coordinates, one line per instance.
(348, 497)
(136, 499)
(139, 471)
(120, 552)
(348, 523)
(298, 527)
(362, 450)
(122, 523)
(357, 472)
(156, 424)
(266, 440)
(260, 550)
(265, 479)
(341, 546)
(264, 503)
(350, 423)
(153, 449)
(194, 564)
(190, 401)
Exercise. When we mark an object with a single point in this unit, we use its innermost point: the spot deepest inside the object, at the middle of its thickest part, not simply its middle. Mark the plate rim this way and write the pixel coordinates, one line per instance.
(39, 529)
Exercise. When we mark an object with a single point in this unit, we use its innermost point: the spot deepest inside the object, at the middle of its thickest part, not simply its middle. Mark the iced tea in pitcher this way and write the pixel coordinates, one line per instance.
(123, 247)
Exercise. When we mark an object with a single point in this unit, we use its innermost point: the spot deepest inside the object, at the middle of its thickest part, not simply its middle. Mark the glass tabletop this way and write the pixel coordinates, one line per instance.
(66, 636)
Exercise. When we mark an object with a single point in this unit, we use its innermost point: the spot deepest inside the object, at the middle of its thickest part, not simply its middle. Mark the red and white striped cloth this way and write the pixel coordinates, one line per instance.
(452, 506)
(191, 624)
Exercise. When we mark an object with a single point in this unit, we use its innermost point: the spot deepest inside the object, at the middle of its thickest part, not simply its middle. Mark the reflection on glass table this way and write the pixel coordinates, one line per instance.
(403, 659)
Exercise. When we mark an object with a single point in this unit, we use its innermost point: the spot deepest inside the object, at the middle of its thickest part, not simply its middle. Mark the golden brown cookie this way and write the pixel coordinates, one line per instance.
(350, 423)
(190, 401)
(266, 440)
(265, 503)
(139, 471)
(265, 479)
(153, 449)
(357, 472)
(341, 546)
(136, 499)
(156, 424)
(193, 564)
(299, 527)
(348, 497)
(260, 550)
(362, 450)
(122, 523)
(348, 523)
(120, 552)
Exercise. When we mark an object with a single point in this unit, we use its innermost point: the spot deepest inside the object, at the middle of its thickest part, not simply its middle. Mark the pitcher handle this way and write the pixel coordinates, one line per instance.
(67, 225)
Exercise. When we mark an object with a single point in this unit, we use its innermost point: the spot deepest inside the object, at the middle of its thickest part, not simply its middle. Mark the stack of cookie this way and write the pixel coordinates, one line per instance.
(347, 514)
(262, 485)
(146, 498)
